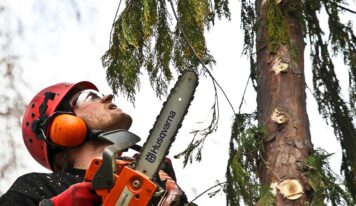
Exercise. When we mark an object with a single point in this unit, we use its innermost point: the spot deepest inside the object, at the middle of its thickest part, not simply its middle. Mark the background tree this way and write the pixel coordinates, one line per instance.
(272, 161)
(11, 100)
(13, 85)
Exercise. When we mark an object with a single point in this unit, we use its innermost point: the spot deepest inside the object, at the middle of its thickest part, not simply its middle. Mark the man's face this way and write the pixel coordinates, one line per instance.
(98, 111)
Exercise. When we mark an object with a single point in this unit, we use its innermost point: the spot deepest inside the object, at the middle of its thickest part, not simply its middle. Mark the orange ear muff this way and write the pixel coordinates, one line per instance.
(67, 130)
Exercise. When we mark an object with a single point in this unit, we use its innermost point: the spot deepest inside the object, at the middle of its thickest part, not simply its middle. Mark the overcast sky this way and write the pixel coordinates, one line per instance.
(56, 48)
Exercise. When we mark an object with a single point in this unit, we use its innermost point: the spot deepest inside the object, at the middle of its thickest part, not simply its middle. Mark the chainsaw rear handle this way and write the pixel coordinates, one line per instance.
(113, 180)
(132, 188)
(117, 183)
(136, 188)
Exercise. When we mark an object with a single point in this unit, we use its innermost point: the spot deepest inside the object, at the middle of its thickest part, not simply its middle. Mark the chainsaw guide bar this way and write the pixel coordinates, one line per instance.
(167, 124)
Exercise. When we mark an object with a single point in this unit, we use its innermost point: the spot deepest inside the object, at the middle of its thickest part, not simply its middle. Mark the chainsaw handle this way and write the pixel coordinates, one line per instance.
(172, 195)
(121, 140)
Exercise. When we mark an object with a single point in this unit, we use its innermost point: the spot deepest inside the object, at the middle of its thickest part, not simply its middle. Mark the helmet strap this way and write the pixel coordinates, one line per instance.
(93, 133)
(37, 124)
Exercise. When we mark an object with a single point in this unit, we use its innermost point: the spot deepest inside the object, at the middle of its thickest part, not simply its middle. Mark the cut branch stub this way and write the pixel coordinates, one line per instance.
(289, 188)
(279, 66)
(279, 117)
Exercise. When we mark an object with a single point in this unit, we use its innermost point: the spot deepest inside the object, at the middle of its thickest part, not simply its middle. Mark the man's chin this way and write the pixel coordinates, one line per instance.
(124, 122)
(128, 123)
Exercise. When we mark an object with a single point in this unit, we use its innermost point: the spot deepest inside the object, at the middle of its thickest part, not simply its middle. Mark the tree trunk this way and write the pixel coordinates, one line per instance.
(282, 111)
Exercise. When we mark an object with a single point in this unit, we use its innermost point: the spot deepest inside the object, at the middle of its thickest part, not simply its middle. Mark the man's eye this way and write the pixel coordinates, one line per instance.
(93, 97)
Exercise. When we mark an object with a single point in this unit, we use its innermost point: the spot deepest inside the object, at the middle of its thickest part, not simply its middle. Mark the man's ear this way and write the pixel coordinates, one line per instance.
(67, 130)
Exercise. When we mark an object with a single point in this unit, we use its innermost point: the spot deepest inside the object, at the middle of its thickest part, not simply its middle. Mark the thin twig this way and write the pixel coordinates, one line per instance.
(113, 23)
(268, 167)
(347, 9)
(219, 184)
(243, 95)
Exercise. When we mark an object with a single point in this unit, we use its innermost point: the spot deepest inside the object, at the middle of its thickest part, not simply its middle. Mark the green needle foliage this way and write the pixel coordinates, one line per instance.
(324, 183)
(144, 37)
(125, 55)
(246, 146)
(194, 15)
(277, 28)
(326, 85)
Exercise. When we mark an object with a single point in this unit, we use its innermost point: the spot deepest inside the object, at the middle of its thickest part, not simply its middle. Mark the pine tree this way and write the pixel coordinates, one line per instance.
(272, 159)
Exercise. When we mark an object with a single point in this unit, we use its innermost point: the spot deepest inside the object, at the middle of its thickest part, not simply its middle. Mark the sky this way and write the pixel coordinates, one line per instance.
(55, 48)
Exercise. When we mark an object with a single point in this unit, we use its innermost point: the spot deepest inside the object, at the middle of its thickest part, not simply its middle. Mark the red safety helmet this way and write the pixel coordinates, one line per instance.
(39, 110)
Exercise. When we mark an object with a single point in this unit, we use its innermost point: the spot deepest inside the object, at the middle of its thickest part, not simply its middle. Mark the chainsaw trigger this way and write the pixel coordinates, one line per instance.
(159, 192)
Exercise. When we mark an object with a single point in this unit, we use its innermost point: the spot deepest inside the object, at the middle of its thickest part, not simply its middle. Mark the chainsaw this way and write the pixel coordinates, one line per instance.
(121, 182)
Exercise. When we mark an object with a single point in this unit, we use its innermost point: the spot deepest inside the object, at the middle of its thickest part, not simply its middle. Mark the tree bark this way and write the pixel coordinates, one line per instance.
(281, 107)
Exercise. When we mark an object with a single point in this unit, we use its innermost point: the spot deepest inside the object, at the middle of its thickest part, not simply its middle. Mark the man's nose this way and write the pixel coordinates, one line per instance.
(108, 98)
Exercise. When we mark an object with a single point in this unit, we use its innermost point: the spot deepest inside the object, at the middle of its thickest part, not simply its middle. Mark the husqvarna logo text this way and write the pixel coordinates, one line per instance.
(151, 155)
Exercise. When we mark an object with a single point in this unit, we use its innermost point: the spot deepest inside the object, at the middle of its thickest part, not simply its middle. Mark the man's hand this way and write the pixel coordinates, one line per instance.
(174, 196)
(80, 194)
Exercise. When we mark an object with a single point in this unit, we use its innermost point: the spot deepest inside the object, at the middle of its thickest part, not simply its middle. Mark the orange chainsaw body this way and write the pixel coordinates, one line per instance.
(137, 187)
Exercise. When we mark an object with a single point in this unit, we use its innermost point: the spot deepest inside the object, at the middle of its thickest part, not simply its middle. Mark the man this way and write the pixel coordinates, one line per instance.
(58, 129)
